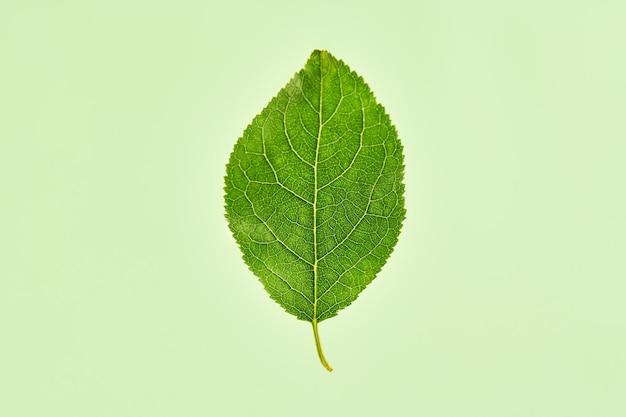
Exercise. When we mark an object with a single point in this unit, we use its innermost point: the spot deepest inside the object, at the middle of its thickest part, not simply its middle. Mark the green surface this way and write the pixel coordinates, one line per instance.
(122, 292)
(314, 191)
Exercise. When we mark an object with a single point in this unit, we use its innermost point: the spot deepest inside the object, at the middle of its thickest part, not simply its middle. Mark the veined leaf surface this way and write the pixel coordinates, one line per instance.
(314, 191)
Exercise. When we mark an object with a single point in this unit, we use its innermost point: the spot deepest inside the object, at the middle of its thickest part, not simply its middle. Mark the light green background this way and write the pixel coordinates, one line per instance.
(122, 293)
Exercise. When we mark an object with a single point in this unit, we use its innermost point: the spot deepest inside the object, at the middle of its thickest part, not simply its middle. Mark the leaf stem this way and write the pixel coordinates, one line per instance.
(318, 345)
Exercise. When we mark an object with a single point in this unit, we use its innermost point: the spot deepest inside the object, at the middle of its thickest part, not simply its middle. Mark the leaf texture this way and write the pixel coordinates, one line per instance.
(314, 190)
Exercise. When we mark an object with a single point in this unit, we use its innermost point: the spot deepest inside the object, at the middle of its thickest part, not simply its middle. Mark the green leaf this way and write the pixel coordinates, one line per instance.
(314, 192)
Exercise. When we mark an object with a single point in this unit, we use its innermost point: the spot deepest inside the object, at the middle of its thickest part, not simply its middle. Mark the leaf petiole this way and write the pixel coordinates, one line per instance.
(318, 345)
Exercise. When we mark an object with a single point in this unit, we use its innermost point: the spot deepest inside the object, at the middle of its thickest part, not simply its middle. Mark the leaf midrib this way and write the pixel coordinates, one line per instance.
(315, 191)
